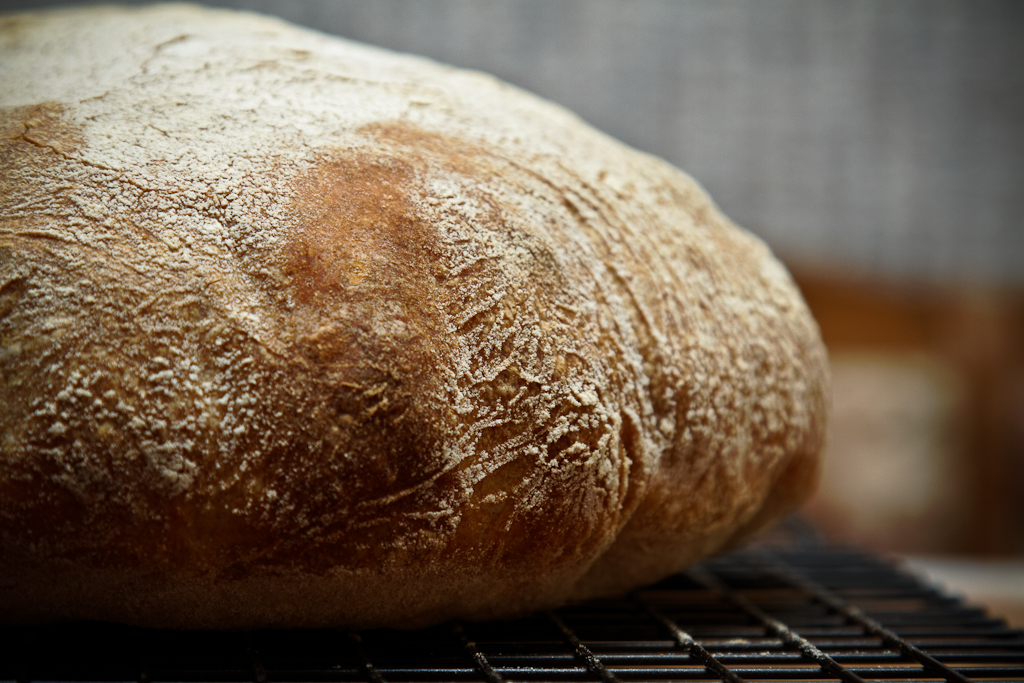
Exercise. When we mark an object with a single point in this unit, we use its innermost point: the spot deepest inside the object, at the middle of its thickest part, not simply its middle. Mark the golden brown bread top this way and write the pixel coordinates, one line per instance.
(273, 304)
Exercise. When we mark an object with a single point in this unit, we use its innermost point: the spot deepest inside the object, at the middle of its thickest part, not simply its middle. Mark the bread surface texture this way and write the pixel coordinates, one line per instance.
(300, 332)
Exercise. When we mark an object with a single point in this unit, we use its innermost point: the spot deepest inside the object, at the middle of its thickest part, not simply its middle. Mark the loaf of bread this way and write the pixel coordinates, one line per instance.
(300, 332)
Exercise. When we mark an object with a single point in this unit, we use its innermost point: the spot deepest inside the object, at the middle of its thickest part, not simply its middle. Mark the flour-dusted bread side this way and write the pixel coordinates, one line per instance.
(300, 332)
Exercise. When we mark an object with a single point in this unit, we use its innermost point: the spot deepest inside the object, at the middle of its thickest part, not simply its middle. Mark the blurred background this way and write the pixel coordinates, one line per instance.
(878, 147)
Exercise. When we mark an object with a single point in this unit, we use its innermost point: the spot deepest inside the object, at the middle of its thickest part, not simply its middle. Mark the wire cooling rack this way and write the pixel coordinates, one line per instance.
(795, 612)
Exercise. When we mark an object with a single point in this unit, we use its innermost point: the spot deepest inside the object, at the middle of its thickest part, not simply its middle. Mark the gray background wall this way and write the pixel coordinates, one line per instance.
(875, 137)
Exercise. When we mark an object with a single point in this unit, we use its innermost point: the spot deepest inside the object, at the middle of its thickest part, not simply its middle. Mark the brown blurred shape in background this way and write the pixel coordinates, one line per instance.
(927, 427)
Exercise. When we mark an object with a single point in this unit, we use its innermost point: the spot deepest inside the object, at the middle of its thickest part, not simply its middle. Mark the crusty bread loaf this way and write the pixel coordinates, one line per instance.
(300, 332)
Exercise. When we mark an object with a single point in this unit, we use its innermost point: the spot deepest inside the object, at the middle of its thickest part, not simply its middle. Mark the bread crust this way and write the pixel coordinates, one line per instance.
(299, 332)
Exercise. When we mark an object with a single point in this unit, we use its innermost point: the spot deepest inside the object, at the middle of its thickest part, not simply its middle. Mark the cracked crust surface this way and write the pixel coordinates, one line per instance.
(299, 332)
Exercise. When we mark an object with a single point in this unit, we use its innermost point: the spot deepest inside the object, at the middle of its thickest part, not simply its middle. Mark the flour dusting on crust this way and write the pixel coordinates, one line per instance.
(296, 331)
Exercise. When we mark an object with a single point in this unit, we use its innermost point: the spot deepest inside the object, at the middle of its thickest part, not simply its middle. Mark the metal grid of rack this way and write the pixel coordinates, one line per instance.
(762, 614)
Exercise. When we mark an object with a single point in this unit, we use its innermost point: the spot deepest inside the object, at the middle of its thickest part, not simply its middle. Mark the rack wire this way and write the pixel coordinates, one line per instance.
(805, 613)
